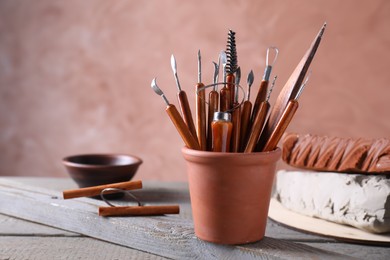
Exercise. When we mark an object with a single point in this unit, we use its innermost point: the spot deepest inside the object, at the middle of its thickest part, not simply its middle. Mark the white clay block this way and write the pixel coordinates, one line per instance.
(362, 201)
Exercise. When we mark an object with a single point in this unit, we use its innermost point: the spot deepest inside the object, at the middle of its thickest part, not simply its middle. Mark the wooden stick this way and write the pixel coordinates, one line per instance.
(224, 99)
(236, 120)
(230, 79)
(213, 107)
(139, 210)
(182, 128)
(201, 116)
(261, 97)
(257, 127)
(245, 123)
(95, 190)
(281, 126)
(186, 111)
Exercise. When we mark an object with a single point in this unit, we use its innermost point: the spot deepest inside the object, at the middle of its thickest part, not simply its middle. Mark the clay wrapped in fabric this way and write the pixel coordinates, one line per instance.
(323, 153)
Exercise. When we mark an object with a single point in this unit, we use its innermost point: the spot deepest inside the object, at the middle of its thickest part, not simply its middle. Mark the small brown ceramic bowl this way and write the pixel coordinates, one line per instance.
(97, 169)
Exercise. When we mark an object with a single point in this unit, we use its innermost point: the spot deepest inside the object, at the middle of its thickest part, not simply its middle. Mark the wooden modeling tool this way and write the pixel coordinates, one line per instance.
(231, 65)
(284, 120)
(200, 108)
(213, 105)
(236, 115)
(189, 140)
(224, 93)
(263, 89)
(259, 122)
(291, 88)
(183, 100)
(246, 113)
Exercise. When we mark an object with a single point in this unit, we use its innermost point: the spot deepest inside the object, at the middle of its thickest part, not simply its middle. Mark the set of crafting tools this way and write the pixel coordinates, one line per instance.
(230, 124)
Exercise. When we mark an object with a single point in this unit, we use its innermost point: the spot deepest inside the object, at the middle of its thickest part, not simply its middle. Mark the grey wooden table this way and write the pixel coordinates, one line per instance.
(146, 237)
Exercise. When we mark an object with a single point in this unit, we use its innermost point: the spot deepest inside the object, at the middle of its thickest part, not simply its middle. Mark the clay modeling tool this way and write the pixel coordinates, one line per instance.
(222, 131)
(246, 112)
(224, 93)
(231, 65)
(263, 89)
(213, 105)
(259, 122)
(189, 140)
(291, 87)
(96, 190)
(284, 120)
(140, 210)
(236, 115)
(200, 108)
(183, 100)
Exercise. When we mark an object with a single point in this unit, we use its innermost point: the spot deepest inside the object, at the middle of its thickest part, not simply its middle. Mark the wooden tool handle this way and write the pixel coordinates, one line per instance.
(213, 107)
(281, 126)
(236, 120)
(224, 99)
(186, 111)
(261, 97)
(230, 79)
(201, 116)
(222, 131)
(95, 190)
(257, 127)
(139, 210)
(189, 140)
(245, 123)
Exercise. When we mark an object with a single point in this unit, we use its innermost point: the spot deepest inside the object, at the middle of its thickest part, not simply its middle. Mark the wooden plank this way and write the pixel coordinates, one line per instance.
(41, 248)
(168, 236)
(10, 226)
(354, 250)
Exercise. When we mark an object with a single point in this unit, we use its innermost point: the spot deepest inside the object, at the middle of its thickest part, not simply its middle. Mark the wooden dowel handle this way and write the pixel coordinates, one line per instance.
(139, 210)
(224, 99)
(189, 140)
(95, 190)
(201, 116)
(213, 107)
(257, 127)
(261, 97)
(230, 79)
(236, 120)
(281, 126)
(186, 111)
(245, 123)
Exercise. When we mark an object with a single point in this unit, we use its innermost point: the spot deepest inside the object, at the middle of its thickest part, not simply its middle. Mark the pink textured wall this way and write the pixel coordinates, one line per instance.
(75, 75)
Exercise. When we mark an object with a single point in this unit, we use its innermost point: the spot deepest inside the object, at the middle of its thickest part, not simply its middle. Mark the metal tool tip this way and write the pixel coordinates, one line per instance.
(250, 78)
(322, 30)
(153, 83)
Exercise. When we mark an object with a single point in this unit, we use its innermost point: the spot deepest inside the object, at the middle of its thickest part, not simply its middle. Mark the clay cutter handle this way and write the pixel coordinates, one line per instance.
(138, 210)
(281, 126)
(186, 111)
(95, 190)
(189, 140)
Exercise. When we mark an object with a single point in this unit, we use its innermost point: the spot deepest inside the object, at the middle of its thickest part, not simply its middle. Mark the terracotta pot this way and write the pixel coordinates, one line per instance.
(230, 194)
